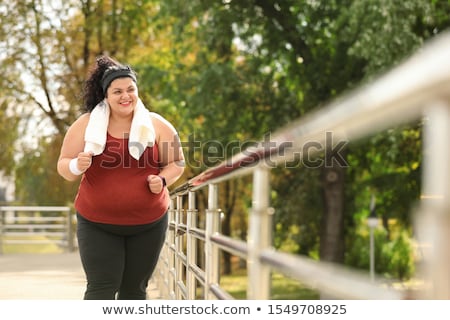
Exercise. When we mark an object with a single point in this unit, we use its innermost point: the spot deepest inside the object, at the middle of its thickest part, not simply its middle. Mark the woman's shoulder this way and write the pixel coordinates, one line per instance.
(81, 122)
(84, 117)
(159, 120)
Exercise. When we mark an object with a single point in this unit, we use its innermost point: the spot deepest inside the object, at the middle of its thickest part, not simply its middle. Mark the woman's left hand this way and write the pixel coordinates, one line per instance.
(155, 183)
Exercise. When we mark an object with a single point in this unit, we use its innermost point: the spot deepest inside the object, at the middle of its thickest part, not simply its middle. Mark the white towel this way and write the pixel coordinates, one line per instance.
(142, 132)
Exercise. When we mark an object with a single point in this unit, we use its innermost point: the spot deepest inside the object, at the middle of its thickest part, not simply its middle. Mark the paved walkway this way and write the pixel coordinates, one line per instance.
(45, 276)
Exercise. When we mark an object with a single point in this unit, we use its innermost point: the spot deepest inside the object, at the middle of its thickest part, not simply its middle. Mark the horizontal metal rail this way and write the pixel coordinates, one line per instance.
(418, 89)
(35, 208)
(27, 225)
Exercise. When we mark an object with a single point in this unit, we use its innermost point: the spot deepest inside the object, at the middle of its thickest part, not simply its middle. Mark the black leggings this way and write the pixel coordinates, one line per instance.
(119, 260)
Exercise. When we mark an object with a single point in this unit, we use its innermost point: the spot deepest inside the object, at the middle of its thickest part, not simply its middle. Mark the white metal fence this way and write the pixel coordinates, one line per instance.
(418, 89)
(36, 225)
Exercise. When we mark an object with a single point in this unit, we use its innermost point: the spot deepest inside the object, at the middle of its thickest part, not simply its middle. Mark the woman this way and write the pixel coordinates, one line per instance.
(126, 157)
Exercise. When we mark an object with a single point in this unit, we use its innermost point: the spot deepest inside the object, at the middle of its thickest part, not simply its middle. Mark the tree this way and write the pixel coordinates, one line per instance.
(45, 61)
(37, 183)
(8, 133)
(229, 73)
(294, 56)
(32, 35)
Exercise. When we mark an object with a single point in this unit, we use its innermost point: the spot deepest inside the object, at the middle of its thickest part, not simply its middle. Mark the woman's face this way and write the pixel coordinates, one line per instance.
(122, 95)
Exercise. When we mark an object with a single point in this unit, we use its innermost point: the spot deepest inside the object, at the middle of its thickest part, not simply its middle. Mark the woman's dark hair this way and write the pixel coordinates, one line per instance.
(93, 91)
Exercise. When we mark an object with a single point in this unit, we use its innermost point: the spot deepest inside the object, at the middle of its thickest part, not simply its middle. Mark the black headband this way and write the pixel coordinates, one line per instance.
(113, 73)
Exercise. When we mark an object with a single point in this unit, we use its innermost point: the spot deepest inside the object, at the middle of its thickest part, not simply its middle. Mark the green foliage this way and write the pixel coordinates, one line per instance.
(386, 165)
(300, 213)
(8, 137)
(398, 257)
(358, 249)
(290, 242)
(37, 182)
(389, 166)
(226, 73)
(384, 31)
(290, 57)
(394, 256)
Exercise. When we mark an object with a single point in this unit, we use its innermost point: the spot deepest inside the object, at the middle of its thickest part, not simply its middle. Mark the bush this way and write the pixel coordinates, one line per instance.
(398, 257)
(393, 258)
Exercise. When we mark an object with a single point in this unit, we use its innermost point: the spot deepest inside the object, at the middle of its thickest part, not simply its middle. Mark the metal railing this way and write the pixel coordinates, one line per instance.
(419, 89)
(36, 225)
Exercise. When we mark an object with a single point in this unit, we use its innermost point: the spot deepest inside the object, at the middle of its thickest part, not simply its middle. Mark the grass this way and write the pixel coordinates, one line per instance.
(43, 248)
(283, 288)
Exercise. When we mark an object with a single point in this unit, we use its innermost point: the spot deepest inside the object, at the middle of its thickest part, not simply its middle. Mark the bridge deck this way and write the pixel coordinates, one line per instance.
(45, 276)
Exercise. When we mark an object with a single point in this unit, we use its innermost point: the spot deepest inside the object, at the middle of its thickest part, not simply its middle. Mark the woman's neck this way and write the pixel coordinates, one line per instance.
(119, 125)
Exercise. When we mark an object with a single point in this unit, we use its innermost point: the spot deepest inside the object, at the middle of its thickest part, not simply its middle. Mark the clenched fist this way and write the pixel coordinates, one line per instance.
(155, 183)
(84, 161)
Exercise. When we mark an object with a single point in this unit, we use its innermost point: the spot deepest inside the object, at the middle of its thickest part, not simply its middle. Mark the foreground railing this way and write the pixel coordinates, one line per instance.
(36, 225)
(418, 89)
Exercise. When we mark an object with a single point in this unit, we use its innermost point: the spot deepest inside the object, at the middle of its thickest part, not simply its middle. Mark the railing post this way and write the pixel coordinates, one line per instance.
(433, 221)
(170, 251)
(211, 251)
(178, 248)
(191, 248)
(162, 274)
(259, 236)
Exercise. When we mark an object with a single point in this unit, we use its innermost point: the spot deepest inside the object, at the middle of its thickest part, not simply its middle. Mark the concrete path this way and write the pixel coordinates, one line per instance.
(45, 276)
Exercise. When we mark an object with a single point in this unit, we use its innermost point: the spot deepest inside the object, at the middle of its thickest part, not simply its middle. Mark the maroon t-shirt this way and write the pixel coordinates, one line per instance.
(115, 190)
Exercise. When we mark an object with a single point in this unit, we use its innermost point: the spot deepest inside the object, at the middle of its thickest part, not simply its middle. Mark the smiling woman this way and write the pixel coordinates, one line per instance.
(123, 91)
(121, 208)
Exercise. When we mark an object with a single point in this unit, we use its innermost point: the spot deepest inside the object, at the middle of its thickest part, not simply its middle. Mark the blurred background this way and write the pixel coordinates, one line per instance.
(226, 73)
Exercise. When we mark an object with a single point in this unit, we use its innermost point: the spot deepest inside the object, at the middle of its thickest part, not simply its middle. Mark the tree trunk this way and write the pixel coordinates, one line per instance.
(332, 231)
